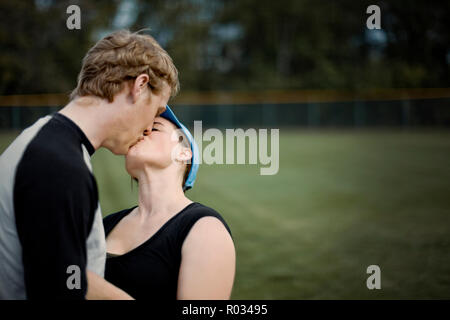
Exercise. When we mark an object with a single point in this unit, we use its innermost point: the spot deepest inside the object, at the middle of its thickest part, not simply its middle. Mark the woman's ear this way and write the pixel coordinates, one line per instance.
(185, 155)
(139, 87)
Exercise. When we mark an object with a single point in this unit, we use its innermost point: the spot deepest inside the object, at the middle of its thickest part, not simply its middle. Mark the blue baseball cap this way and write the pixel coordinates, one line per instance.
(169, 115)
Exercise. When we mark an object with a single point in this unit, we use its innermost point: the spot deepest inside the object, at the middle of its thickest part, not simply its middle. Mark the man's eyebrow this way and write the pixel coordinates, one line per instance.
(156, 122)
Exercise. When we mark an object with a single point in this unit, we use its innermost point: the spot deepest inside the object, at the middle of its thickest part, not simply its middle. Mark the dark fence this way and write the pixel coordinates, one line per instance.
(396, 113)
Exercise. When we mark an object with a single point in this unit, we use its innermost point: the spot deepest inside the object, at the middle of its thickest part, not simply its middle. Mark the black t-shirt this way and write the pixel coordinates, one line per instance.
(49, 212)
(150, 271)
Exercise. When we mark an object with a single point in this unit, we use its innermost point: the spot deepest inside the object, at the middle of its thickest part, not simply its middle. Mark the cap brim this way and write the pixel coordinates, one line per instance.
(169, 115)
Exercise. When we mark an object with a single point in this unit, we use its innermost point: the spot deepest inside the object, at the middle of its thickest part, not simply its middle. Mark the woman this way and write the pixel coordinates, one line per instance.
(168, 247)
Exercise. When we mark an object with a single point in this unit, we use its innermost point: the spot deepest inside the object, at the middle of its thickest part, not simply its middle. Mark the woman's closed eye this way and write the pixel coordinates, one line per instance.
(157, 126)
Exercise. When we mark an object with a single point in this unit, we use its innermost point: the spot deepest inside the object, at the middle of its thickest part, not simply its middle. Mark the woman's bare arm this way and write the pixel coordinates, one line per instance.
(100, 289)
(208, 262)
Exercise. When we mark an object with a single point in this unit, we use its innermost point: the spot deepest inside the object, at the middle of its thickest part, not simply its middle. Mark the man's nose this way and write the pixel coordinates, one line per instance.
(161, 111)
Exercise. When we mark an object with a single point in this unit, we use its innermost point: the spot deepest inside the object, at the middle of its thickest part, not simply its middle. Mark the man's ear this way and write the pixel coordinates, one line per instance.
(139, 87)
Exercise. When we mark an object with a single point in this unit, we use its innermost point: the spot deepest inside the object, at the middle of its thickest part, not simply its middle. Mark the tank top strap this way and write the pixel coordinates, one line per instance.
(111, 220)
(184, 222)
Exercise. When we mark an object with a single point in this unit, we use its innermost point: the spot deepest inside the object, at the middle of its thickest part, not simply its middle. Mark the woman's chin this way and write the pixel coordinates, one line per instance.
(132, 171)
(133, 152)
(132, 162)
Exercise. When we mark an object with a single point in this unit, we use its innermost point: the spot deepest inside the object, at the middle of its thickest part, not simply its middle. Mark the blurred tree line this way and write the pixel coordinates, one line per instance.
(236, 45)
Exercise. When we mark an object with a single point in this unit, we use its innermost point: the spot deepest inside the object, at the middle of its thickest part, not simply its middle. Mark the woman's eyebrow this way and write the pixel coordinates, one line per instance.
(156, 122)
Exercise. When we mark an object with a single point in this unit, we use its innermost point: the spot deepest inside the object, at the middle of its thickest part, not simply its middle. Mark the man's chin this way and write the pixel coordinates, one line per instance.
(119, 151)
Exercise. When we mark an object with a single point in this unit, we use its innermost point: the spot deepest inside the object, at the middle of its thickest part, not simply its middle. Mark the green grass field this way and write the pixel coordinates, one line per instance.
(341, 201)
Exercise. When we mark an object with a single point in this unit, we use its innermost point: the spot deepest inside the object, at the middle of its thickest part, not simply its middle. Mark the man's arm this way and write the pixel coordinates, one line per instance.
(54, 203)
(100, 289)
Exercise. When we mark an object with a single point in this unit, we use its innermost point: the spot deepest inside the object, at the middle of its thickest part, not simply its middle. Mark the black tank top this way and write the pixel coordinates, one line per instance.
(150, 271)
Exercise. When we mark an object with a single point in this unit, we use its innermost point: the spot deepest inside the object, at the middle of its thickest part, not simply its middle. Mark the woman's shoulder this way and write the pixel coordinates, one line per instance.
(202, 209)
(112, 219)
(197, 211)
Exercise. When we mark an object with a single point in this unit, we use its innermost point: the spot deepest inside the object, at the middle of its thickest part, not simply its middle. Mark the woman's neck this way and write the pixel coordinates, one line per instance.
(160, 194)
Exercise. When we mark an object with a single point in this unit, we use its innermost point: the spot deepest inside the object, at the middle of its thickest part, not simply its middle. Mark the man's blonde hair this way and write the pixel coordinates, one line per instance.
(120, 57)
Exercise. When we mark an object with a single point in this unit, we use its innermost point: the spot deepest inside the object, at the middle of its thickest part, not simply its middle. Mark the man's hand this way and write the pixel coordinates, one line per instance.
(100, 289)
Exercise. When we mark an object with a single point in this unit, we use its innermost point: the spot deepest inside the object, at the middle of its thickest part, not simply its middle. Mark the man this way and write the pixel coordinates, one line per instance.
(50, 219)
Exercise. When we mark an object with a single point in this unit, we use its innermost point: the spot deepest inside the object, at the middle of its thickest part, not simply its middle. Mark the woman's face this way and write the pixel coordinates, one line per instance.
(158, 148)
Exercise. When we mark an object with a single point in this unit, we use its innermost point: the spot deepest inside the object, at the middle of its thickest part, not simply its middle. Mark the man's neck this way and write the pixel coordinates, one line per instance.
(88, 114)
